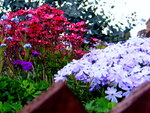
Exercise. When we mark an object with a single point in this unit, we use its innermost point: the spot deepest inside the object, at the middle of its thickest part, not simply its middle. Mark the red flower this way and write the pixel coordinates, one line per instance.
(45, 27)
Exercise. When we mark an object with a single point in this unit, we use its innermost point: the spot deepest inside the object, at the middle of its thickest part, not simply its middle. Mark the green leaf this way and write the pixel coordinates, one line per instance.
(111, 105)
(99, 105)
(16, 106)
(36, 93)
(89, 105)
(10, 97)
(1, 106)
(6, 107)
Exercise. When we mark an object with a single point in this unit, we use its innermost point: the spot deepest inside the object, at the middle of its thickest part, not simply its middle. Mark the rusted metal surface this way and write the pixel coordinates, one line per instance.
(137, 102)
(58, 99)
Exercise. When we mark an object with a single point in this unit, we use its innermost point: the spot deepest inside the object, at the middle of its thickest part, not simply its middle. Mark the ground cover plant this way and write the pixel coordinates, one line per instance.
(111, 73)
(16, 93)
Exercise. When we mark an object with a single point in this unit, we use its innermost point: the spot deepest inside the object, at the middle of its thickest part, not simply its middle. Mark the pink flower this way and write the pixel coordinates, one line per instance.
(79, 52)
(94, 39)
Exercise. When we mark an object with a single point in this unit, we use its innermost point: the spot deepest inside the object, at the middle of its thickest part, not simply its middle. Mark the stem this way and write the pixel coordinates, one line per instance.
(1, 63)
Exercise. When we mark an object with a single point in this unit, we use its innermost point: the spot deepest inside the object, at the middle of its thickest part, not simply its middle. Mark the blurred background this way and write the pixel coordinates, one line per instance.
(108, 20)
(124, 9)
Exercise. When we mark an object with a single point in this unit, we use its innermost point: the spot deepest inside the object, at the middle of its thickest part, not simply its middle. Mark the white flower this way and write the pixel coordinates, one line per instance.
(9, 38)
(113, 94)
(4, 17)
(127, 91)
(8, 26)
(27, 46)
(3, 45)
(16, 20)
(29, 15)
(59, 78)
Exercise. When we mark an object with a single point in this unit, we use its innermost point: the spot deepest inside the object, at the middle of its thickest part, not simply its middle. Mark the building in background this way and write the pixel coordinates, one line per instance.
(145, 32)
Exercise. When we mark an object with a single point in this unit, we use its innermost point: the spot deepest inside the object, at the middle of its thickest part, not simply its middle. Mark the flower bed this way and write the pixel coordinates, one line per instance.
(39, 46)
(114, 71)
(34, 45)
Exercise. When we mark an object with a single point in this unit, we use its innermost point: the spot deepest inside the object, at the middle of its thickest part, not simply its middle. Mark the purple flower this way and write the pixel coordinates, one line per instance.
(94, 87)
(127, 90)
(17, 63)
(81, 76)
(35, 53)
(24, 65)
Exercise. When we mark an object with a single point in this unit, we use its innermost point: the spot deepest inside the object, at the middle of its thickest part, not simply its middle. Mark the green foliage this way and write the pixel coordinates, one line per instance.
(45, 66)
(16, 93)
(94, 101)
(99, 105)
(56, 62)
(11, 107)
(80, 89)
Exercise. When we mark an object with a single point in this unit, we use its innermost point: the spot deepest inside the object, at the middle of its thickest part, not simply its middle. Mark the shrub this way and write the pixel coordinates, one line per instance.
(16, 93)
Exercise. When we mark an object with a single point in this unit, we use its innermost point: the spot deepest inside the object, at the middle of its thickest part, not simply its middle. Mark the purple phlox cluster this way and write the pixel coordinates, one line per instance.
(124, 66)
(23, 64)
